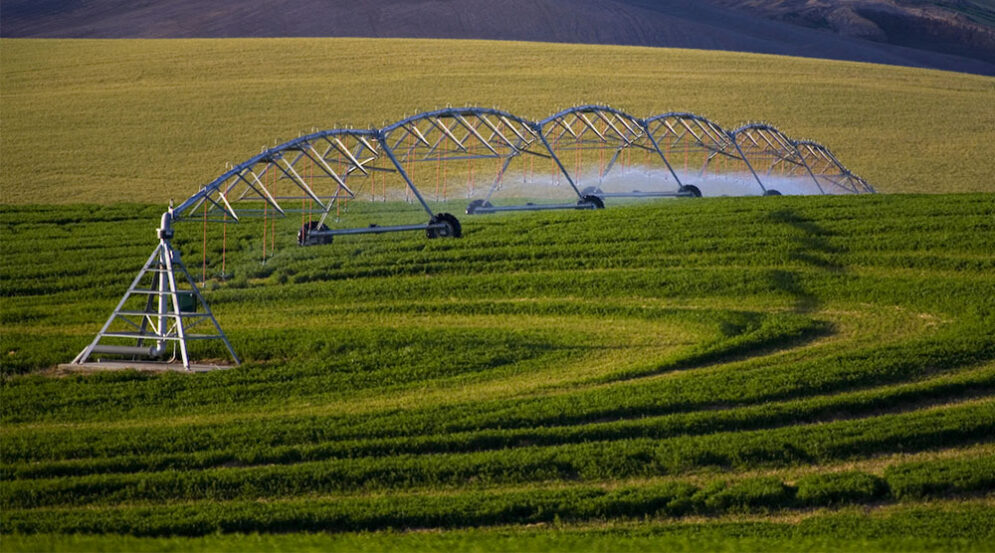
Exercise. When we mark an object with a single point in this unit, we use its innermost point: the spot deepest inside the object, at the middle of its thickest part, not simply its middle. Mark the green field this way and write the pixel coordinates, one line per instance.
(149, 120)
(808, 373)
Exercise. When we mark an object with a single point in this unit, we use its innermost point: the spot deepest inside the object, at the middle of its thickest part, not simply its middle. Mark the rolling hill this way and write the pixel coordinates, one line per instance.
(771, 27)
(149, 120)
(958, 27)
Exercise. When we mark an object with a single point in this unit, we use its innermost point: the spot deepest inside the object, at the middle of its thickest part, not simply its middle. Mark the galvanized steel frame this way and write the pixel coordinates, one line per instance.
(826, 166)
(452, 134)
(709, 137)
(773, 145)
(621, 131)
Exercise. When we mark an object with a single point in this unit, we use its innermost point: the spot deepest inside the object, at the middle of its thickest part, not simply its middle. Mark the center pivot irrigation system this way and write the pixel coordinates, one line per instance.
(474, 160)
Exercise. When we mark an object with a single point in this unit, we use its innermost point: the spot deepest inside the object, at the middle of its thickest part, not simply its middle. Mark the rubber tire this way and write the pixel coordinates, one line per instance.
(453, 228)
(690, 190)
(591, 191)
(591, 199)
(476, 204)
(303, 235)
(772, 192)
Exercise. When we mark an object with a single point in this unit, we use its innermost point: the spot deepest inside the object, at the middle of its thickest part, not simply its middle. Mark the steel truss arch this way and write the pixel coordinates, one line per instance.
(763, 143)
(695, 138)
(241, 191)
(828, 169)
(602, 128)
(466, 134)
(690, 128)
(503, 130)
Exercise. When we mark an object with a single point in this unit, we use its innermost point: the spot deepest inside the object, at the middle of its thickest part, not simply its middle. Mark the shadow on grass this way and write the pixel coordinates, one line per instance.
(809, 245)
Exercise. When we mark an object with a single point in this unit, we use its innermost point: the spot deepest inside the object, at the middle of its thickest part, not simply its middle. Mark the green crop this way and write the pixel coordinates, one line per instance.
(728, 358)
(840, 488)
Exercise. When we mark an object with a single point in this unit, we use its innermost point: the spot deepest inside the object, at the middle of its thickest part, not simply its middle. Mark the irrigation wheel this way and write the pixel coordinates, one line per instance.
(450, 226)
(689, 191)
(475, 205)
(591, 199)
(304, 237)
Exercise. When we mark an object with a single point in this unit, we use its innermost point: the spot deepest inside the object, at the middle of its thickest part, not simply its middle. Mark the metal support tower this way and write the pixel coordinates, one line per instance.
(173, 306)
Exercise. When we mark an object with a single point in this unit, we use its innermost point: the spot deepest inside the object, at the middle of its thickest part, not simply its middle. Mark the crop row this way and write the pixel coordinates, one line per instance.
(760, 238)
(356, 359)
(735, 385)
(748, 238)
(940, 526)
(256, 344)
(818, 443)
(480, 508)
(244, 444)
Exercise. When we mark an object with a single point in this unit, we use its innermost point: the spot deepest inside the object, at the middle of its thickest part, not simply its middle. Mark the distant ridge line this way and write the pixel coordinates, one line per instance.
(662, 23)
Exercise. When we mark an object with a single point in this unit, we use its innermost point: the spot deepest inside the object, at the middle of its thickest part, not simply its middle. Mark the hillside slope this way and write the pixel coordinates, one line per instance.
(135, 120)
(665, 23)
(958, 27)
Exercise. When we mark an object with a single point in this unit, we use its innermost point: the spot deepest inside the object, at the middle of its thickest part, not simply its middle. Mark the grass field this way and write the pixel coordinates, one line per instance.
(807, 373)
(148, 120)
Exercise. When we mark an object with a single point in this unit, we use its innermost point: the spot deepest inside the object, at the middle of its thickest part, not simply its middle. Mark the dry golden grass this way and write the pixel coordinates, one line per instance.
(148, 120)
